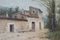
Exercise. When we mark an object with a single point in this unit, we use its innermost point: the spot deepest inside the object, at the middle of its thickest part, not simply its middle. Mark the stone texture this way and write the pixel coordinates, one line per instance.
(4, 25)
(25, 36)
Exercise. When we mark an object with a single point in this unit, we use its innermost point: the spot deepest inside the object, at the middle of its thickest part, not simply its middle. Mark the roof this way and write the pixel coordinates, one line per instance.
(30, 16)
(13, 19)
(35, 8)
(23, 13)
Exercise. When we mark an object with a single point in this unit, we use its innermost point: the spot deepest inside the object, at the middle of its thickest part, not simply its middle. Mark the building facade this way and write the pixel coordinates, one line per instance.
(30, 20)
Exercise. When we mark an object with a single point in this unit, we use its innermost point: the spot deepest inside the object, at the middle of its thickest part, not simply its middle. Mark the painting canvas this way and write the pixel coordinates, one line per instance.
(29, 19)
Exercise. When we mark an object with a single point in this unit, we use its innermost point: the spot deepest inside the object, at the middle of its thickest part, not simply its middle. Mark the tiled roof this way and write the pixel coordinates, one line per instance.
(13, 19)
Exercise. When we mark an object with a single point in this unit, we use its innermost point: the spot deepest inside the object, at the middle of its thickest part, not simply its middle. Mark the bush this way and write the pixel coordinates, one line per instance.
(54, 35)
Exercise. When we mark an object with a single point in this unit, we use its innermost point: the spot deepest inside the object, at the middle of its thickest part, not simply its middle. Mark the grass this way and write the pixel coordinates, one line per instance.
(54, 35)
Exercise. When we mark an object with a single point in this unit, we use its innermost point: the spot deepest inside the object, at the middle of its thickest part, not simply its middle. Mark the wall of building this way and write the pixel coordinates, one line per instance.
(36, 12)
(35, 16)
(38, 26)
(18, 25)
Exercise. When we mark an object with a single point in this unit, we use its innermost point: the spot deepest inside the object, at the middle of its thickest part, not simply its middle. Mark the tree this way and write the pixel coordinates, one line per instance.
(58, 18)
(51, 17)
(9, 12)
(2, 12)
(16, 9)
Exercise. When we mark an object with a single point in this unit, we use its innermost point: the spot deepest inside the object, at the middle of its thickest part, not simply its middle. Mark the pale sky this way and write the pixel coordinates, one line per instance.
(23, 4)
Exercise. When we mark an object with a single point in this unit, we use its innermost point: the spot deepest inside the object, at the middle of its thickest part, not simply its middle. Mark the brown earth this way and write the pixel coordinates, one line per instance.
(41, 35)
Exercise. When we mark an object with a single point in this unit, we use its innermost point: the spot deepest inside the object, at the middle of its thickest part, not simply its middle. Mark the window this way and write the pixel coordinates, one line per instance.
(33, 11)
(40, 25)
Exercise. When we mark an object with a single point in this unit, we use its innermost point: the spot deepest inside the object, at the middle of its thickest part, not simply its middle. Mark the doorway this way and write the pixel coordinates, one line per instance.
(11, 28)
(33, 26)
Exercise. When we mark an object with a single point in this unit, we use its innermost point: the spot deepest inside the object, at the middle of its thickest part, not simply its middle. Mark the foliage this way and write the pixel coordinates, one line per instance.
(51, 17)
(9, 11)
(54, 35)
(16, 9)
(2, 12)
(58, 21)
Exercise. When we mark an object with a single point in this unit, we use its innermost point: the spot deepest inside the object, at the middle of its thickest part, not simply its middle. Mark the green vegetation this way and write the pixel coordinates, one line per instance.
(9, 11)
(54, 35)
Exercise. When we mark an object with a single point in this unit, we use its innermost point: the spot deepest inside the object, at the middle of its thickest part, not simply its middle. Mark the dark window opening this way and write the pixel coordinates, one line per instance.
(33, 11)
(11, 28)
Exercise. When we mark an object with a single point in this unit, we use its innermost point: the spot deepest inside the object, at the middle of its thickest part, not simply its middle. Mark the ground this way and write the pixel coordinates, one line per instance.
(41, 35)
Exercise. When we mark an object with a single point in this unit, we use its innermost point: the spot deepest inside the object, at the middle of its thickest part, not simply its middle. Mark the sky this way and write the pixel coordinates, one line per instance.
(24, 4)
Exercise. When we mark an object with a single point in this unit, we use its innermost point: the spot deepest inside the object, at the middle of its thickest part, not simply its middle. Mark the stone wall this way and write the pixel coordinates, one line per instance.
(37, 25)
(18, 25)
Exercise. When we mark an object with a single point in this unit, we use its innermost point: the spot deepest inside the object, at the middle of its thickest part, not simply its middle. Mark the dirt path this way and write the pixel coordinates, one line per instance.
(24, 36)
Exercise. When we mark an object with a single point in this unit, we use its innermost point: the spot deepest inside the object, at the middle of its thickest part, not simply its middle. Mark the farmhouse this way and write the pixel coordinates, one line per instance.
(24, 20)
